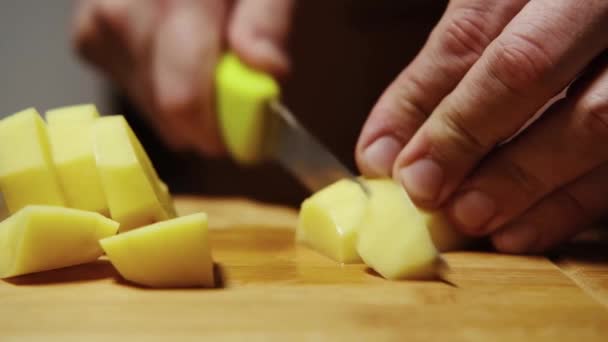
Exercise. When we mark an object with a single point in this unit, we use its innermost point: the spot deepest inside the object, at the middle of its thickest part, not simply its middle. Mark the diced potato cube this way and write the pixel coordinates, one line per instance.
(242, 96)
(71, 136)
(131, 185)
(393, 237)
(330, 218)
(40, 238)
(27, 173)
(173, 253)
(83, 113)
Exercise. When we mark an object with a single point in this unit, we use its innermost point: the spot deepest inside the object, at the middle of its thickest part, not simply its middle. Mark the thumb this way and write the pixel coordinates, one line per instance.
(257, 33)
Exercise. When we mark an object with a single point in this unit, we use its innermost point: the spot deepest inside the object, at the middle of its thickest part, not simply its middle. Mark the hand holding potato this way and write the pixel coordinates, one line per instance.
(486, 69)
(163, 55)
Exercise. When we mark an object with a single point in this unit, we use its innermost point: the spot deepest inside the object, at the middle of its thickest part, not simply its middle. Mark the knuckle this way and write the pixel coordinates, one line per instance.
(519, 62)
(461, 137)
(525, 181)
(465, 33)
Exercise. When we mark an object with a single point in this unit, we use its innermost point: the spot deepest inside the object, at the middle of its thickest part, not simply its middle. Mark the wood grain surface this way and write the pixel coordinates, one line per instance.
(272, 289)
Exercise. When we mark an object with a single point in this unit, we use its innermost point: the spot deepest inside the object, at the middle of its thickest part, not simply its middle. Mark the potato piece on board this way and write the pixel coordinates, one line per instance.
(39, 238)
(27, 173)
(329, 220)
(71, 136)
(393, 237)
(173, 253)
(131, 186)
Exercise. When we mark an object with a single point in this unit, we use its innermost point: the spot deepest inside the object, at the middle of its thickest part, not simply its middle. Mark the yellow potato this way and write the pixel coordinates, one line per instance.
(71, 136)
(173, 253)
(27, 173)
(393, 237)
(83, 113)
(384, 229)
(329, 220)
(39, 238)
(132, 188)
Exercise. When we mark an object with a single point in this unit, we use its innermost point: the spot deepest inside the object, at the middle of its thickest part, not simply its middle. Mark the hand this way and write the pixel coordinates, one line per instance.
(487, 67)
(163, 55)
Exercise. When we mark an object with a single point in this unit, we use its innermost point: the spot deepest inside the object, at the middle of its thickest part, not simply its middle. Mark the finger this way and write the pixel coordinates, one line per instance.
(144, 18)
(82, 27)
(98, 28)
(188, 45)
(257, 33)
(561, 146)
(455, 44)
(558, 217)
(534, 58)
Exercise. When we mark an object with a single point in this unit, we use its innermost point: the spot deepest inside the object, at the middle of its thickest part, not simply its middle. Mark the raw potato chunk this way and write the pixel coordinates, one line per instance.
(132, 188)
(393, 237)
(84, 113)
(71, 136)
(173, 253)
(40, 238)
(242, 97)
(27, 173)
(329, 220)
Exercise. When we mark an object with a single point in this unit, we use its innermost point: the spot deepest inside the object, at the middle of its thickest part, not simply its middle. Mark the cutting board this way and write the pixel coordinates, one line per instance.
(272, 289)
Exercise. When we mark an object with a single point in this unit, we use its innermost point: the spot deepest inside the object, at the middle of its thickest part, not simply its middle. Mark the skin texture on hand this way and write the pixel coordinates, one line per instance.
(163, 53)
(486, 69)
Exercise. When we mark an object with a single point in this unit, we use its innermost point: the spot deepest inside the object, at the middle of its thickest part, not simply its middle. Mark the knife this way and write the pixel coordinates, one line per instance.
(257, 127)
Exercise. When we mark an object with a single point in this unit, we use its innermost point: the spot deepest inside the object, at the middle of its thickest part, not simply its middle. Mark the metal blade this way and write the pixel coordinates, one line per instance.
(302, 154)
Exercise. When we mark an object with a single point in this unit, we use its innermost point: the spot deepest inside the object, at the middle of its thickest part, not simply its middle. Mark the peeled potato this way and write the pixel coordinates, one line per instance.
(71, 136)
(27, 173)
(384, 229)
(393, 237)
(133, 190)
(173, 253)
(329, 220)
(40, 238)
(83, 113)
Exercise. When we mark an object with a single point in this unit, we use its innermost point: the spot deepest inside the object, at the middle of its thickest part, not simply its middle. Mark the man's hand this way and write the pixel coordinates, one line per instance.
(163, 54)
(488, 66)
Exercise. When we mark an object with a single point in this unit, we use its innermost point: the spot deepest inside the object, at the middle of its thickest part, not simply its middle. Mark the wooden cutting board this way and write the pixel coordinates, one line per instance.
(275, 290)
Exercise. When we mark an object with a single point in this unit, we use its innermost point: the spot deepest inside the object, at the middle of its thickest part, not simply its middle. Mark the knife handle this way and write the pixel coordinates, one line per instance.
(242, 97)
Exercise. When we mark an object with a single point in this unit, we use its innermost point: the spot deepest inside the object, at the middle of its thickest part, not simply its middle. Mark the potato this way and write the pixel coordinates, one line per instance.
(242, 96)
(173, 253)
(27, 173)
(71, 136)
(383, 228)
(132, 188)
(329, 220)
(39, 238)
(83, 113)
(393, 238)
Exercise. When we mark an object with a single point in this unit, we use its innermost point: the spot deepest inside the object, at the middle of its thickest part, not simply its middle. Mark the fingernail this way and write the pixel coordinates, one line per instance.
(381, 154)
(473, 210)
(519, 238)
(422, 179)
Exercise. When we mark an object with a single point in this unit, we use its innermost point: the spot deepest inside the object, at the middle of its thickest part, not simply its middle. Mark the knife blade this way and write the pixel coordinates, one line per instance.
(298, 151)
